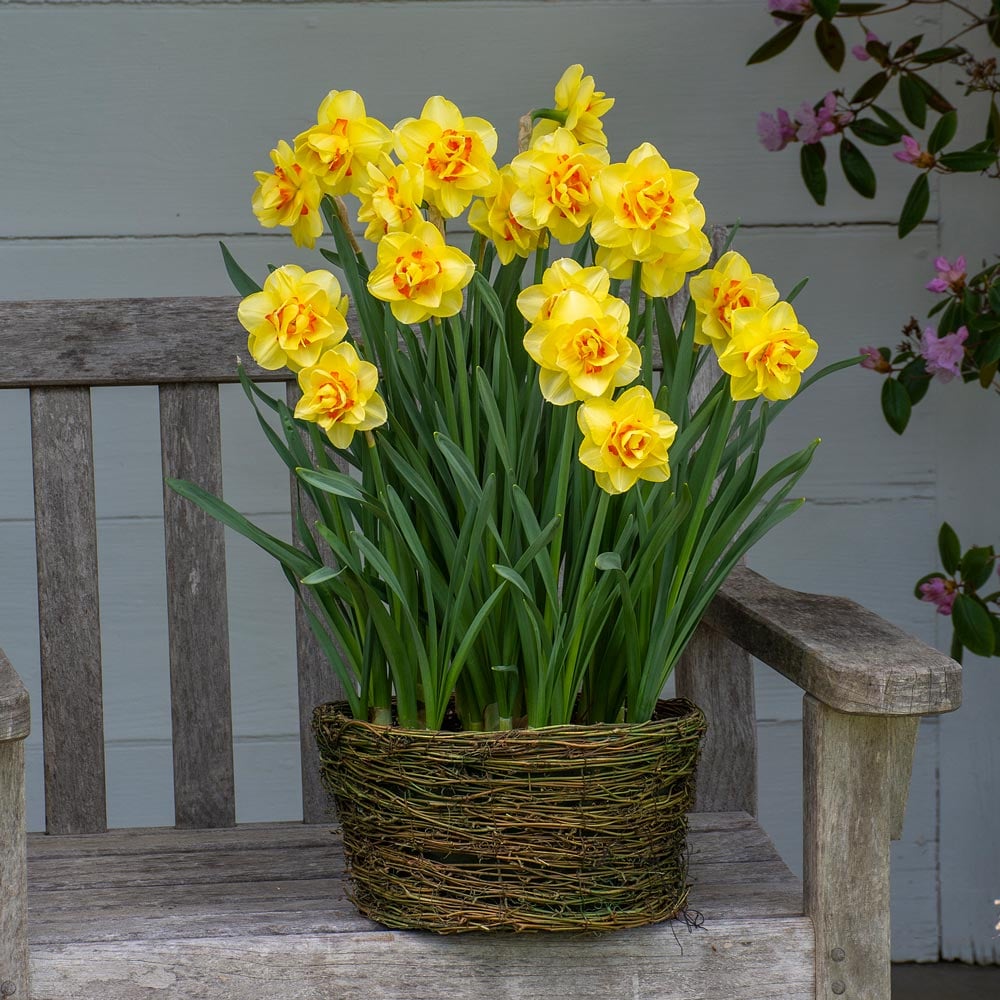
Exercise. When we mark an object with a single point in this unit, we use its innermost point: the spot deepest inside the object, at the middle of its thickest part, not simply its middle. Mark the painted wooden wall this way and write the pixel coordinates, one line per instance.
(129, 133)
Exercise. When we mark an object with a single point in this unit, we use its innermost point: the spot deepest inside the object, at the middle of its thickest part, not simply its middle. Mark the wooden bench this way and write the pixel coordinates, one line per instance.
(208, 909)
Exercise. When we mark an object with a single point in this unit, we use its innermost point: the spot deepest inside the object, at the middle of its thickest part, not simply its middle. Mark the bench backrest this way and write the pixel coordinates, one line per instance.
(59, 350)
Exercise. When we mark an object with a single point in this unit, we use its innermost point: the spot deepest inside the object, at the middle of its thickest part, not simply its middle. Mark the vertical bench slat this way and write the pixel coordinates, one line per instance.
(68, 610)
(317, 682)
(717, 676)
(197, 613)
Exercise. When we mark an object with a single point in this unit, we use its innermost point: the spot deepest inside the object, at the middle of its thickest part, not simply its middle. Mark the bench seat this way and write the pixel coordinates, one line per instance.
(260, 910)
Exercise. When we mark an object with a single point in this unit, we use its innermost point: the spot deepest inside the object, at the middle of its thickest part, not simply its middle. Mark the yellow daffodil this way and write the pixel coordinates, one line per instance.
(338, 394)
(289, 196)
(456, 153)
(492, 217)
(718, 293)
(344, 140)
(665, 274)
(583, 348)
(555, 184)
(583, 106)
(294, 317)
(391, 197)
(625, 440)
(644, 208)
(419, 275)
(536, 302)
(768, 352)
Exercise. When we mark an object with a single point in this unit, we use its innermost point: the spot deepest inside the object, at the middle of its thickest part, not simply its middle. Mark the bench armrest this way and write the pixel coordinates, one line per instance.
(839, 652)
(15, 712)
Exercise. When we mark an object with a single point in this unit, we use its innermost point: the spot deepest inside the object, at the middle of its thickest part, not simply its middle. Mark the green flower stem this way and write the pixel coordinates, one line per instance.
(634, 294)
(463, 376)
(647, 345)
(541, 260)
(572, 672)
(445, 385)
(562, 489)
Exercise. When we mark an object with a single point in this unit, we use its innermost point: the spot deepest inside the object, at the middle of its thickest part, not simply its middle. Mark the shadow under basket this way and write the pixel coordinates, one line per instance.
(562, 828)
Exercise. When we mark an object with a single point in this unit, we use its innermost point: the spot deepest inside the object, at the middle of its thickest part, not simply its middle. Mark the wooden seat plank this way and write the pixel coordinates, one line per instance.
(161, 914)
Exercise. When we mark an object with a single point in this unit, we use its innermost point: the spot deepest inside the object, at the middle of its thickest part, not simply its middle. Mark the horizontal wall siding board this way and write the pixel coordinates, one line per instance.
(219, 106)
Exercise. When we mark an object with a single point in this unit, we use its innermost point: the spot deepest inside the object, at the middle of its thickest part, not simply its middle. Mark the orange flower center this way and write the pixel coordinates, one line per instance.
(645, 204)
(413, 271)
(629, 443)
(296, 324)
(336, 397)
(569, 184)
(449, 157)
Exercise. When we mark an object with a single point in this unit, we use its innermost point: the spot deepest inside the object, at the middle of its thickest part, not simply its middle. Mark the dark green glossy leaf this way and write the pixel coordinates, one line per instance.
(993, 25)
(931, 56)
(891, 121)
(943, 132)
(915, 380)
(812, 157)
(949, 548)
(908, 47)
(988, 373)
(857, 169)
(973, 625)
(826, 9)
(776, 44)
(830, 43)
(242, 281)
(868, 130)
(871, 88)
(994, 297)
(915, 207)
(967, 161)
(896, 405)
(934, 98)
(977, 565)
(913, 99)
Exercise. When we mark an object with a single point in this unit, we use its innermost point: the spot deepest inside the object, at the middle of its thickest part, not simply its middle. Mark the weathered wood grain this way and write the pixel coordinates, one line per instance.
(838, 651)
(15, 709)
(124, 342)
(743, 960)
(13, 872)
(68, 616)
(849, 801)
(317, 682)
(197, 615)
(902, 750)
(717, 675)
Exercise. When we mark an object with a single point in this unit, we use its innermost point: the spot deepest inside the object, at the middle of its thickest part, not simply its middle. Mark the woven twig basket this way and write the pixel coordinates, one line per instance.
(561, 828)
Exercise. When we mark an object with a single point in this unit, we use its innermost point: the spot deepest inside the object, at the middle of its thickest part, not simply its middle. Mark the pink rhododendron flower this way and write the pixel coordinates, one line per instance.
(944, 354)
(872, 360)
(789, 7)
(912, 153)
(815, 123)
(939, 592)
(860, 51)
(950, 277)
(775, 133)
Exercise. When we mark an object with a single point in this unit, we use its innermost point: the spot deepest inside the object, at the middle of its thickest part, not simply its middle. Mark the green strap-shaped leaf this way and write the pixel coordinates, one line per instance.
(242, 281)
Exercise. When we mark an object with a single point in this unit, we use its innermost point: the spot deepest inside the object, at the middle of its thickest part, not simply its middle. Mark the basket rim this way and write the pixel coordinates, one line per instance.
(682, 712)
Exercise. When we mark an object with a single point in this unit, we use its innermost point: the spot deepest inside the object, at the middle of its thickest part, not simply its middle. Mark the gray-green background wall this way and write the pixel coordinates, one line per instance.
(128, 134)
